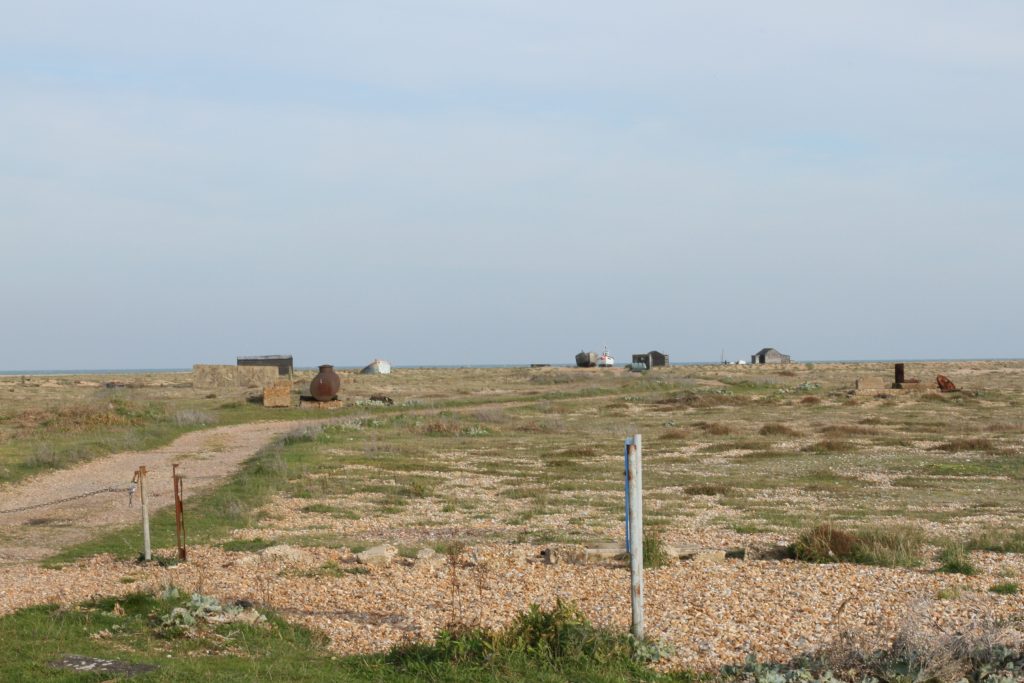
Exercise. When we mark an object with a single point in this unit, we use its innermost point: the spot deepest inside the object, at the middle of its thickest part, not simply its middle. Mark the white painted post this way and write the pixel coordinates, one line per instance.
(634, 485)
(147, 553)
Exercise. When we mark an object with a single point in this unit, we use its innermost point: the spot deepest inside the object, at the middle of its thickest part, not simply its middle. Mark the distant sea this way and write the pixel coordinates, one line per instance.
(137, 371)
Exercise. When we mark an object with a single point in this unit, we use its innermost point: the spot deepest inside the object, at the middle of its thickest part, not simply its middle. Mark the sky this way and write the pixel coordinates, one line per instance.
(477, 182)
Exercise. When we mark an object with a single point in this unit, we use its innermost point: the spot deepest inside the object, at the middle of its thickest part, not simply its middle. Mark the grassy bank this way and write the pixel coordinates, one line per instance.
(184, 639)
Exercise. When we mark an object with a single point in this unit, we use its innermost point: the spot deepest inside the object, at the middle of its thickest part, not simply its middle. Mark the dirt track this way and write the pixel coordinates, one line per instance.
(205, 457)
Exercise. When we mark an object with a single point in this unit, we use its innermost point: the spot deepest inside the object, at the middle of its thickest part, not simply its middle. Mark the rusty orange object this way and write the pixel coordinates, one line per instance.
(945, 384)
(325, 385)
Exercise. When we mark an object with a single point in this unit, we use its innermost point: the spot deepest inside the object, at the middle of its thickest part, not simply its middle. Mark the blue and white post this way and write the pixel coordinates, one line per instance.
(635, 530)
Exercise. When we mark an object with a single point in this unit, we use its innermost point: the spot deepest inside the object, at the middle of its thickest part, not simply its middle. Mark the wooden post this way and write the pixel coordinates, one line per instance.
(635, 529)
(179, 511)
(147, 553)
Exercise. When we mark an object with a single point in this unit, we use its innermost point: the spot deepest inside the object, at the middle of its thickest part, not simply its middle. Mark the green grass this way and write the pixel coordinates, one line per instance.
(655, 552)
(554, 645)
(885, 547)
(998, 540)
(247, 546)
(1005, 588)
(954, 558)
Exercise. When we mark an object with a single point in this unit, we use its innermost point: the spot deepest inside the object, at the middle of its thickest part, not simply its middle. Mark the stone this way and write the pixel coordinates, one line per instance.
(682, 552)
(278, 394)
(429, 558)
(313, 404)
(563, 555)
(101, 666)
(378, 555)
(709, 557)
(287, 553)
(604, 552)
(871, 384)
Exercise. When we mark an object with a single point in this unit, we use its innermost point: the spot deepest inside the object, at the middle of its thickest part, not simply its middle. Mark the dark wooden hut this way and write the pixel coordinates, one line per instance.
(586, 359)
(652, 359)
(768, 356)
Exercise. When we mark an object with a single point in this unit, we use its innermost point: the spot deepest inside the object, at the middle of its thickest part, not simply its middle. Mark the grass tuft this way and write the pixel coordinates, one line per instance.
(777, 429)
(954, 558)
(885, 547)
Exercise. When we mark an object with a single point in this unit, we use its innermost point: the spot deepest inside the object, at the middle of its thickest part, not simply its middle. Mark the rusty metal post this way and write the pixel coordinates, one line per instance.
(900, 376)
(179, 511)
(635, 511)
(147, 551)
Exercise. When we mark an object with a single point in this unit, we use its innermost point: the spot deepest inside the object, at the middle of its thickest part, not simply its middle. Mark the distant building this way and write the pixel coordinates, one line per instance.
(283, 364)
(652, 359)
(768, 356)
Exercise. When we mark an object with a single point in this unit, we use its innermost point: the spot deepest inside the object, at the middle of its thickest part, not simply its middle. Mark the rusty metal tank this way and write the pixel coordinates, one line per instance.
(325, 385)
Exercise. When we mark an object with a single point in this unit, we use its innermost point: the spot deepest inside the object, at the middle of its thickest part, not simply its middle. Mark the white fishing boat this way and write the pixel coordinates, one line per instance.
(605, 360)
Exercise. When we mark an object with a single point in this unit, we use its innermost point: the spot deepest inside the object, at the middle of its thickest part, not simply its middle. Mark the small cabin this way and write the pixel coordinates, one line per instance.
(651, 359)
(284, 364)
(769, 356)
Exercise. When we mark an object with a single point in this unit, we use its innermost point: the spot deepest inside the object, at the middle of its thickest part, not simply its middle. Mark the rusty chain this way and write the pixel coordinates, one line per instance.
(24, 508)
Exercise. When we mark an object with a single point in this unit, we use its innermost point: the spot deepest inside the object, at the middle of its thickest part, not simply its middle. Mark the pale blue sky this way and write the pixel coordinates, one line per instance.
(502, 182)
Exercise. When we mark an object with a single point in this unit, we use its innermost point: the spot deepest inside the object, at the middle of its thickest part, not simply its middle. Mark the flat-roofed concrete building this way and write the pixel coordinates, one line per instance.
(284, 364)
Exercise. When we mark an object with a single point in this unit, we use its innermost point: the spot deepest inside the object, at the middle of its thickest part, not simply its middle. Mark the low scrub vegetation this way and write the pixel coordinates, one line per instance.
(998, 540)
(969, 444)
(830, 446)
(777, 429)
(556, 644)
(919, 652)
(707, 489)
(886, 547)
(955, 559)
(196, 637)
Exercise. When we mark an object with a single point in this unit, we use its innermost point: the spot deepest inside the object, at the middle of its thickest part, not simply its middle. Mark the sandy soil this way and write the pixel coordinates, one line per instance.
(205, 457)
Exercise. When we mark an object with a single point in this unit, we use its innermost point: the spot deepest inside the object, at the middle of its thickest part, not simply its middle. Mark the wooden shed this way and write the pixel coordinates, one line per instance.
(283, 364)
(768, 356)
(652, 359)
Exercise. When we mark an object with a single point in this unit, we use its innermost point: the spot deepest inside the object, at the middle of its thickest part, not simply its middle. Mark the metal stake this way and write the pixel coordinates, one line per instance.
(179, 511)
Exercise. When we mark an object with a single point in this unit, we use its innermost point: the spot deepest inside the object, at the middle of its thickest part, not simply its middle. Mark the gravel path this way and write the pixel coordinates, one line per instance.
(205, 457)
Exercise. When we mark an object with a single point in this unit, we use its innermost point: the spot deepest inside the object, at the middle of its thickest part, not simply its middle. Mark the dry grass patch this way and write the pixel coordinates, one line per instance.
(777, 429)
(885, 547)
(969, 444)
(708, 489)
(714, 428)
(847, 430)
(830, 446)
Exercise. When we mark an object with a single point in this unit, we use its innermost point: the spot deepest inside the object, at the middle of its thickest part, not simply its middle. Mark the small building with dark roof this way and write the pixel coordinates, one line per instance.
(283, 364)
(652, 359)
(768, 356)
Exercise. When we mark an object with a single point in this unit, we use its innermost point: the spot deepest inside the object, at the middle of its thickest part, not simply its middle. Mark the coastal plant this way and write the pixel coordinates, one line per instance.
(184, 418)
(777, 429)
(655, 551)
(954, 558)
(885, 547)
